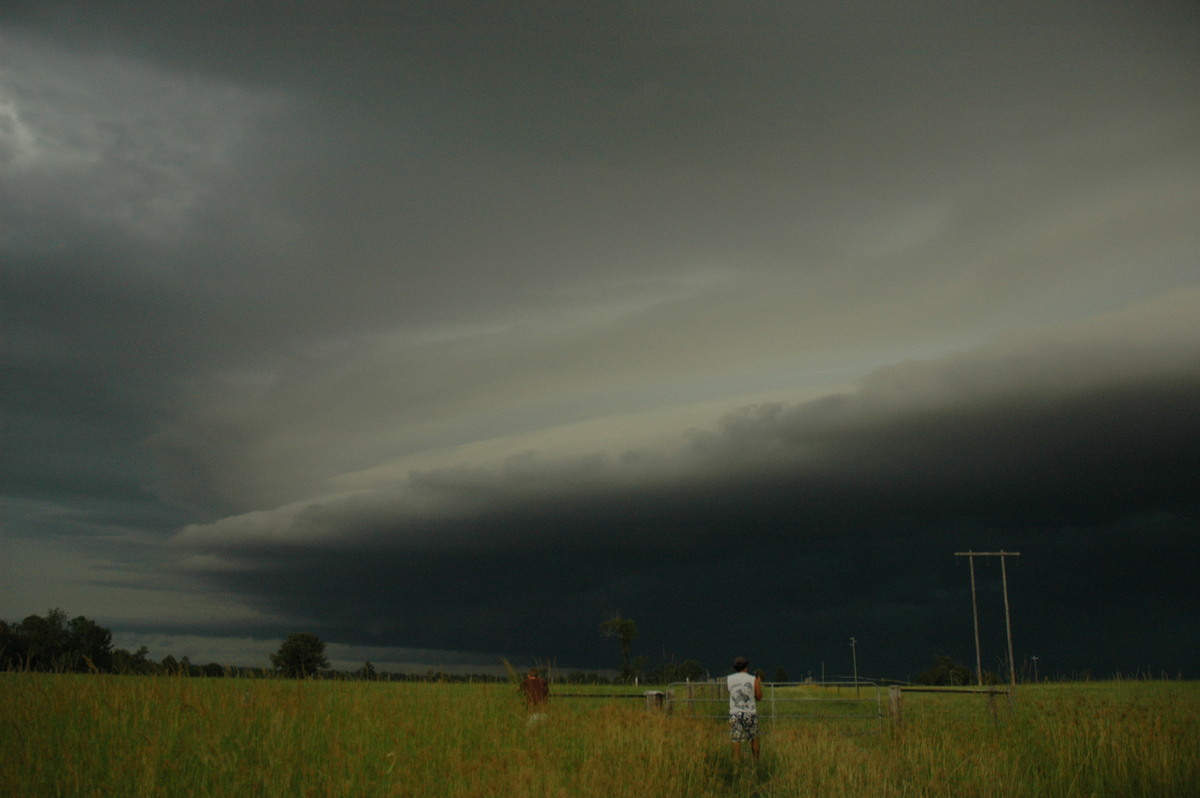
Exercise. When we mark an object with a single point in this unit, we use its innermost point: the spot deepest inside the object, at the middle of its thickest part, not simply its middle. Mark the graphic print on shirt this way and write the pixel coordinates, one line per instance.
(741, 697)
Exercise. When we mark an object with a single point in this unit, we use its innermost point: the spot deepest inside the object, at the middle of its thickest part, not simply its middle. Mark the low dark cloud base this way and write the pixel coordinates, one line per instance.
(796, 538)
(258, 261)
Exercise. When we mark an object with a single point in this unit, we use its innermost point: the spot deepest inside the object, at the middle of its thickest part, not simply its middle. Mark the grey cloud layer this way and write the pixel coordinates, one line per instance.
(923, 460)
(412, 299)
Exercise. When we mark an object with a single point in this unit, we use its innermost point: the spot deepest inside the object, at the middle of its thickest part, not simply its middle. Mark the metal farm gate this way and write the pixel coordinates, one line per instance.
(853, 706)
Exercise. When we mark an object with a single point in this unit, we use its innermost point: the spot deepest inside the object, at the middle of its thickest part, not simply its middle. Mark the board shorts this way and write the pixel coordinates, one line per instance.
(743, 726)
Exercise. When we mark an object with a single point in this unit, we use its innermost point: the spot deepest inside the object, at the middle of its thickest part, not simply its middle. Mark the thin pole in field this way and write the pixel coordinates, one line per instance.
(1012, 663)
(975, 615)
(854, 653)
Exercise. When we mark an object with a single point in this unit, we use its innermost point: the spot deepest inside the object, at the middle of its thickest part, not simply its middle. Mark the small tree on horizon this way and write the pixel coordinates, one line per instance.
(946, 672)
(625, 631)
(302, 654)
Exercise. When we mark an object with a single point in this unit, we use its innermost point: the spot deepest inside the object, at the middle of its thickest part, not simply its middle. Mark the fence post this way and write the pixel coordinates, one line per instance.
(895, 705)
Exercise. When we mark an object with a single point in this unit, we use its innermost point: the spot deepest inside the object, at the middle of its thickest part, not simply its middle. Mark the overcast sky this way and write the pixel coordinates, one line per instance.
(445, 330)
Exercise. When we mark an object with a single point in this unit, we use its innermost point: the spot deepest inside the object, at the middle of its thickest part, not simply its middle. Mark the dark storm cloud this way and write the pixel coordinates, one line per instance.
(386, 319)
(831, 518)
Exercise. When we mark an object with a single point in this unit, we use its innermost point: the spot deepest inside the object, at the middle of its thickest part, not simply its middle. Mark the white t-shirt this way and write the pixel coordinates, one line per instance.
(741, 693)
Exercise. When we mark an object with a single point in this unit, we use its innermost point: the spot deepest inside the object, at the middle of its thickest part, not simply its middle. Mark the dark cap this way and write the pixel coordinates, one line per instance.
(741, 663)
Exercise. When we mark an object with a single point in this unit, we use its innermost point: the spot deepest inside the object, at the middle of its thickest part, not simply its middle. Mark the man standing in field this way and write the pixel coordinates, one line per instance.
(744, 693)
(535, 688)
(537, 692)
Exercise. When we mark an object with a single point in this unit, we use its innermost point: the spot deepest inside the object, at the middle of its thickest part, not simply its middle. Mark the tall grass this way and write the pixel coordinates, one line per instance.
(91, 735)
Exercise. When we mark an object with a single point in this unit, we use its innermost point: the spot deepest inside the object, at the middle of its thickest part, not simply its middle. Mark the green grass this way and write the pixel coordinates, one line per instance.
(91, 735)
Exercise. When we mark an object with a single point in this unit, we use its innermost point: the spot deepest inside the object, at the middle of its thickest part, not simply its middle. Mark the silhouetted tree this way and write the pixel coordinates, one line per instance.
(302, 654)
(13, 649)
(88, 646)
(946, 671)
(45, 640)
(131, 663)
(51, 643)
(625, 631)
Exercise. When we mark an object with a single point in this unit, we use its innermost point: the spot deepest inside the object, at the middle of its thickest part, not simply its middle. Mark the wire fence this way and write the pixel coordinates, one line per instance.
(851, 707)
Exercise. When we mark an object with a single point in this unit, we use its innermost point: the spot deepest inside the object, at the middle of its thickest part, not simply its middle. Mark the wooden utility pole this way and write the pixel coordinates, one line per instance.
(1012, 663)
(971, 555)
(854, 653)
(975, 616)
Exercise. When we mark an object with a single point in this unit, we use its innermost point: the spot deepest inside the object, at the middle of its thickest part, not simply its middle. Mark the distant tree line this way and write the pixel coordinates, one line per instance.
(54, 643)
(948, 673)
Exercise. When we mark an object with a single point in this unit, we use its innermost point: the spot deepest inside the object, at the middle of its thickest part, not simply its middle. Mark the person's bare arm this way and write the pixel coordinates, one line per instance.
(758, 688)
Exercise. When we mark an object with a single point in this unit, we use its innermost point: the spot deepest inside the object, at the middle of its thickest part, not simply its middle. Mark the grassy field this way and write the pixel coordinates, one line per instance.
(92, 735)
